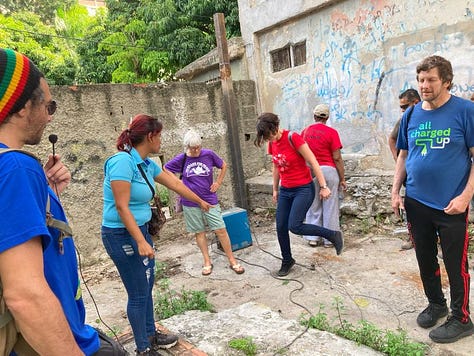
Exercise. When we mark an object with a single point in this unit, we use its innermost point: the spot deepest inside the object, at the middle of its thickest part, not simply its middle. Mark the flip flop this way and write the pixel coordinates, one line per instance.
(207, 270)
(237, 268)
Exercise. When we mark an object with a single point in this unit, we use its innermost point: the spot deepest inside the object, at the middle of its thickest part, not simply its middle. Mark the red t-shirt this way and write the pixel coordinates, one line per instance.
(292, 166)
(323, 141)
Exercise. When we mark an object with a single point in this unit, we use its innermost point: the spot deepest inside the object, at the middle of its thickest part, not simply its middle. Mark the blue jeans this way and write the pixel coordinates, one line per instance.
(293, 203)
(138, 276)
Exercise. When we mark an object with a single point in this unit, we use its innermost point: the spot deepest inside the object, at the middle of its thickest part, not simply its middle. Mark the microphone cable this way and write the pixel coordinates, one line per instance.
(96, 307)
(53, 140)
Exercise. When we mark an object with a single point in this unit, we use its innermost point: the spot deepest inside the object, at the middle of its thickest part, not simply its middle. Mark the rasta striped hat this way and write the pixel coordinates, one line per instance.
(19, 77)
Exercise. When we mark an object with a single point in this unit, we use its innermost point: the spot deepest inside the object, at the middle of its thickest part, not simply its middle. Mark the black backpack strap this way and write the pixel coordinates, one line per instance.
(409, 113)
(290, 140)
(146, 179)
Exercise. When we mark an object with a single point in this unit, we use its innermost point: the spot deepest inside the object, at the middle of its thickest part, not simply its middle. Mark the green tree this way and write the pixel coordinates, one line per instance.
(26, 33)
(130, 54)
(185, 28)
(84, 33)
(45, 9)
(151, 39)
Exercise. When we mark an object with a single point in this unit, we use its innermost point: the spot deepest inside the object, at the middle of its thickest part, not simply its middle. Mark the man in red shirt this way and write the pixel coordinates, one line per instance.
(326, 145)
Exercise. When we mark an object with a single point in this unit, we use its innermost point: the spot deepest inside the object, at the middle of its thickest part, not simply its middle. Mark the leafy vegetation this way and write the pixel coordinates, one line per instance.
(365, 333)
(133, 42)
(169, 302)
(246, 345)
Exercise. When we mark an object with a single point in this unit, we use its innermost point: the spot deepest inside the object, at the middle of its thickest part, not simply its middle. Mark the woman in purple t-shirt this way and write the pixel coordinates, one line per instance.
(196, 167)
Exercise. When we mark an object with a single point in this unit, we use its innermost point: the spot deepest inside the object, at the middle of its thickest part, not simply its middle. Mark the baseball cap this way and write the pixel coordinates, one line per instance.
(321, 110)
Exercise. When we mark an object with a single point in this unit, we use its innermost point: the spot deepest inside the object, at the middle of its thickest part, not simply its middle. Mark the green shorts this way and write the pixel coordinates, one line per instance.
(197, 219)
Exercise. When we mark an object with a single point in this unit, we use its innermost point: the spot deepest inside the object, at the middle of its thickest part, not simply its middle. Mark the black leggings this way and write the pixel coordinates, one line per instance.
(426, 225)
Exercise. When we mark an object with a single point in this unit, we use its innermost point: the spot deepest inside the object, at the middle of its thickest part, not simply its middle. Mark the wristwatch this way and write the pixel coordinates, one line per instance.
(323, 187)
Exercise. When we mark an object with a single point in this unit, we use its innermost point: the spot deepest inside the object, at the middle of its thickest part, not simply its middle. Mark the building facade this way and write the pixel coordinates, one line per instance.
(355, 55)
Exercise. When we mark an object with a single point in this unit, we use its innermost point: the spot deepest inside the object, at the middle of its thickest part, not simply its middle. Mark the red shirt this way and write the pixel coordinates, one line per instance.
(292, 166)
(323, 141)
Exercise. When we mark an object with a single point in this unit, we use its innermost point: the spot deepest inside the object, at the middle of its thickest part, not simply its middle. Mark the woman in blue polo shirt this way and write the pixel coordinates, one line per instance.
(125, 223)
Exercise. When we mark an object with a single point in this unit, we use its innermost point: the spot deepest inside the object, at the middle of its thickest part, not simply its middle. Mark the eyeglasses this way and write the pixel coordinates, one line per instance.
(404, 107)
(195, 148)
(51, 107)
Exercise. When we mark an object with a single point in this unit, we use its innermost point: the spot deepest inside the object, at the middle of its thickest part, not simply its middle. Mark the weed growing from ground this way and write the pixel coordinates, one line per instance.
(169, 302)
(392, 343)
(246, 345)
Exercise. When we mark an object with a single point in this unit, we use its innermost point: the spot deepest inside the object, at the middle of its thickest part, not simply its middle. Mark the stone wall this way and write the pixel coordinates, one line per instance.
(90, 118)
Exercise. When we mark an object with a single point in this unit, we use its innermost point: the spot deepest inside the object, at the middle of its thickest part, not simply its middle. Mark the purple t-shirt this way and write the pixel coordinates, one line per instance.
(197, 174)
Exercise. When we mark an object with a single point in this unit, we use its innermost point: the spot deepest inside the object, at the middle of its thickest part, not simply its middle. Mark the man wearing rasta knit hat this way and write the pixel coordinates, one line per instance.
(38, 269)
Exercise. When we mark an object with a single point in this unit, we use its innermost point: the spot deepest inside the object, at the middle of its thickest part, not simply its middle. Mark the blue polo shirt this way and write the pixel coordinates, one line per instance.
(122, 166)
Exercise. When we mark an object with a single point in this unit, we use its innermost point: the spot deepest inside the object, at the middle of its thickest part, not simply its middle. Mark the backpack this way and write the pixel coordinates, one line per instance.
(10, 338)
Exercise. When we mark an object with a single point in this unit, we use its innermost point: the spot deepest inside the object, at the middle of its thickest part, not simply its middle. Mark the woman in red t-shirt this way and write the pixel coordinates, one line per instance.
(296, 189)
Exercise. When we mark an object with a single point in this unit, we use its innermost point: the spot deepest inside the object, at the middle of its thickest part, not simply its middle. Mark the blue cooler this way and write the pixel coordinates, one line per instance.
(238, 228)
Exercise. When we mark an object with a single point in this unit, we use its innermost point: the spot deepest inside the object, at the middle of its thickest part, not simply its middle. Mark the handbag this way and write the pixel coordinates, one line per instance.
(178, 204)
(158, 217)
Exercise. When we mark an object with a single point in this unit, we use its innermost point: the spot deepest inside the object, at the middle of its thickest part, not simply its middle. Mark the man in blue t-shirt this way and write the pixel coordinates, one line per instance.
(436, 146)
(38, 265)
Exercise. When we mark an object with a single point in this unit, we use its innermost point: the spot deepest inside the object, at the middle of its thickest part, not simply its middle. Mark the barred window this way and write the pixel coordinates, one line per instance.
(289, 56)
(281, 59)
(299, 53)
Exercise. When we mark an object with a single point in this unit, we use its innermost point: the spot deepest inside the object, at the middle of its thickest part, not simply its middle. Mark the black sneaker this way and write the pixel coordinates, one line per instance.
(451, 331)
(338, 242)
(149, 352)
(428, 317)
(285, 267)
(163, 341)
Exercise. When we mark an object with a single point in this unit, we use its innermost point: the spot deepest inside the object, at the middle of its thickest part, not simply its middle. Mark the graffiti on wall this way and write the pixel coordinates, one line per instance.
(359, 70)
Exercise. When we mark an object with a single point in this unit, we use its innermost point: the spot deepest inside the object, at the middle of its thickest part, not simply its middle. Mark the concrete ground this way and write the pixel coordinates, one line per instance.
(372, 280)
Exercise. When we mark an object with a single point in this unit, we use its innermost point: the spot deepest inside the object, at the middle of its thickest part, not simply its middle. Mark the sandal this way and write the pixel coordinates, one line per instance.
(207, 270)
(237, 268)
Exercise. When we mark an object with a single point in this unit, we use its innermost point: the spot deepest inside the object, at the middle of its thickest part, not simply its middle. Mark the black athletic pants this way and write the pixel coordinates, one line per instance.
(109, 346)
(425, 225)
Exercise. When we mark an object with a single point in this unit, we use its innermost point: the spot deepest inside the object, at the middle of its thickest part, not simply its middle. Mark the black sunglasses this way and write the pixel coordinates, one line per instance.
(403, 107)
(51, 107)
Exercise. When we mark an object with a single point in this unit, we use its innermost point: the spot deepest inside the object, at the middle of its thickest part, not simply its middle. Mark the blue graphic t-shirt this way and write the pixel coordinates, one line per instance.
(438, 142)
(23, 195)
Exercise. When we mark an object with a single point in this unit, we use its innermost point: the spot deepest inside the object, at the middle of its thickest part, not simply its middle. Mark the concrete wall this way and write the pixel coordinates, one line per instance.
(90, 118)
(360, 55)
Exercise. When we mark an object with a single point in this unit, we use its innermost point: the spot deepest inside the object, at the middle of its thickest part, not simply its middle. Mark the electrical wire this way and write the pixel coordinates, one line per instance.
(79, 263)
(290, 296)
(311, 267)
(36, 34)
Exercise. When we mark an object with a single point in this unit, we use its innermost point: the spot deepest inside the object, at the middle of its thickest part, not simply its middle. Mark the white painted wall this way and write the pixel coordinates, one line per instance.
(360, 55)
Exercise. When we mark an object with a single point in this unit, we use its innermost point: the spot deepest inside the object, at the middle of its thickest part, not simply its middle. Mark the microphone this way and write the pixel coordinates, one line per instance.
(53, 139)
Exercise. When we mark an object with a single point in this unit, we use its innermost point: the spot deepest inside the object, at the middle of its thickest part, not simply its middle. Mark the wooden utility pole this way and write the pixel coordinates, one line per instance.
(230, 109)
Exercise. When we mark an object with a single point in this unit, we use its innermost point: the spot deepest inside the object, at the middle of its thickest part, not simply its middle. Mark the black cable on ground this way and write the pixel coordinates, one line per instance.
(311, 267)
(290, 297)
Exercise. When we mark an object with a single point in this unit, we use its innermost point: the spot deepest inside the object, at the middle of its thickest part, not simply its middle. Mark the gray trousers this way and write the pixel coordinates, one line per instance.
(325, 213)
